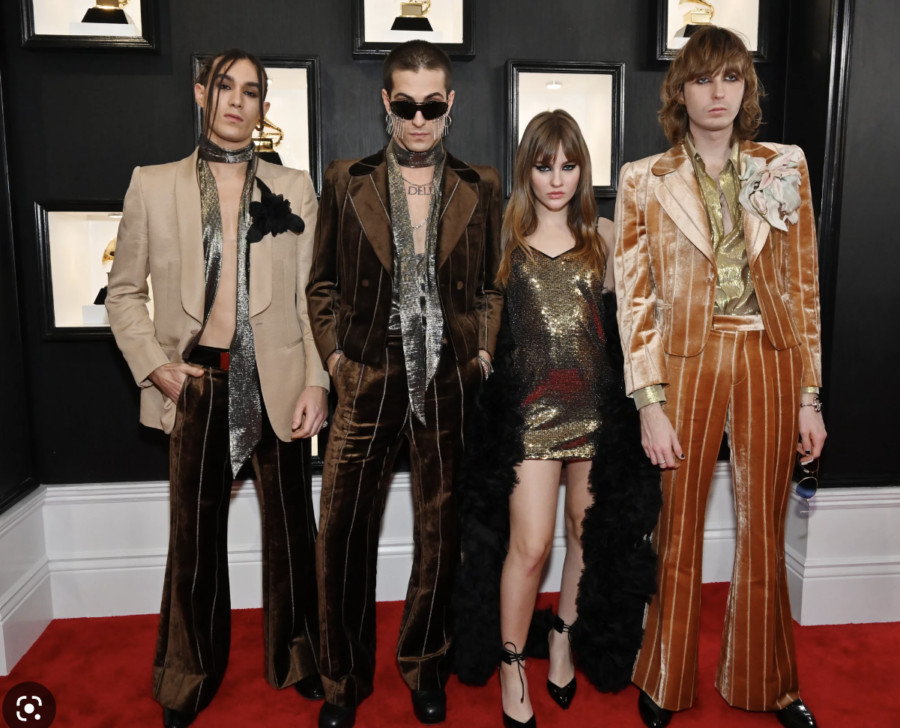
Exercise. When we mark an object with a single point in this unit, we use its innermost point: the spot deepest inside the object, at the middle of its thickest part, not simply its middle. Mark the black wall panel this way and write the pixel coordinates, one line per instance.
(862, 420)
(79, 122)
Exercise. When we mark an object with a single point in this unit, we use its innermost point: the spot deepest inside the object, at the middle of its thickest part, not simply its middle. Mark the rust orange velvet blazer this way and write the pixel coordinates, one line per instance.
(666, 271)
(350, 283)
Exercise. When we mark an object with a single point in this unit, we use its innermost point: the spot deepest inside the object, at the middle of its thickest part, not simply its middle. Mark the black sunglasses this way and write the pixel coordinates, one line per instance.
(807, 477)
(430, 109)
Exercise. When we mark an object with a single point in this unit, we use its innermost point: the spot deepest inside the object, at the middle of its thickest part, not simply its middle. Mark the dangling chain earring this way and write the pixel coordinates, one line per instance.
(447, 122)
(394, 125)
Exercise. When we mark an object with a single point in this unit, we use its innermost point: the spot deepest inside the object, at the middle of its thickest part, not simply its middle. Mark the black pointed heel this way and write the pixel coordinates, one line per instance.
(509, 657)
(562, 696)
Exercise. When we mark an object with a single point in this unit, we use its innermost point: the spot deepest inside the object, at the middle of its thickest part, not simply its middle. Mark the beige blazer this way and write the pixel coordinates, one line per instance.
(160, 235)
(666, 269)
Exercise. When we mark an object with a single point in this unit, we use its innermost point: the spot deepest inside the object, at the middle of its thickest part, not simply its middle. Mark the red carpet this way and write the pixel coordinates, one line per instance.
(99, 671)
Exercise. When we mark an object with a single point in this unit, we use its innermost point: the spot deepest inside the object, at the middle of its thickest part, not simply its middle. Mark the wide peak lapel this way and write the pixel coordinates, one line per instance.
(458, 201)
(261, 252)
(190, 234)
(679, 195)
(371, 201)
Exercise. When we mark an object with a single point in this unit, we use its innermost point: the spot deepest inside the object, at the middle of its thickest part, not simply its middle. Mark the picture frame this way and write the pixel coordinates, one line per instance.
(301, 120)
(452, 27)
(595, 98)
(749, 18)
(55, 24)
(72, 237)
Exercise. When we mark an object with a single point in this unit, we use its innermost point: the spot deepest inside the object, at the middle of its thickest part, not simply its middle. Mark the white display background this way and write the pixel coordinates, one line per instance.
(446, 17)
(77, 242)
(289, 110)
(54, 17)
(741, 16)
(587, 97)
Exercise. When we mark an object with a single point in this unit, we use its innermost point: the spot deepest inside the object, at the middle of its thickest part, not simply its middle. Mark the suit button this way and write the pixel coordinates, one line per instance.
(365, 282)
(459, 285)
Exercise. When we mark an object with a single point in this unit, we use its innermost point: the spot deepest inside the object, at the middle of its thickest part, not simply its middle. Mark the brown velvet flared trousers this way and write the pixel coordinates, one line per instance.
(195, 619)
(742, 382)
(372, 416)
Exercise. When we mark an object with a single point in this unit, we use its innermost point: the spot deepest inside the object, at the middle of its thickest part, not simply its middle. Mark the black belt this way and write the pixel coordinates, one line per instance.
(210, 356)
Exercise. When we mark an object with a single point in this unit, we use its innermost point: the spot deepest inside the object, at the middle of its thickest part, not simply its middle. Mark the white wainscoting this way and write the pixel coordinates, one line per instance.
(100, 550)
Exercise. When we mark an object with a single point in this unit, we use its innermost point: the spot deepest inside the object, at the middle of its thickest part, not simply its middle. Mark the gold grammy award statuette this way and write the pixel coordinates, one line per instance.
(699, 13)
(413, 16)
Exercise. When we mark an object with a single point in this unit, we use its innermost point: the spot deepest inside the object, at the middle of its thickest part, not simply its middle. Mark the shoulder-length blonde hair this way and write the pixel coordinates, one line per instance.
(710, 50)
(540, 144)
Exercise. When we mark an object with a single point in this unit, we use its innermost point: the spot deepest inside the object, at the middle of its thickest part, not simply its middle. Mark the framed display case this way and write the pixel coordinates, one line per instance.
(122, 24)
(76, 246)
(379, 26)
(593, 93)
(679, 19)
(292, 135)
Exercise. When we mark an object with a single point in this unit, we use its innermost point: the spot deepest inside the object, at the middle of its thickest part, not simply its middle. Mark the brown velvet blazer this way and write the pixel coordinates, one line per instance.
(350, 283)
(666, 271)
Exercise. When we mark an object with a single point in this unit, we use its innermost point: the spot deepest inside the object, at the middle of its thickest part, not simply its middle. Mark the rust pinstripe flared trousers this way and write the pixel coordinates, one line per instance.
(739, 382)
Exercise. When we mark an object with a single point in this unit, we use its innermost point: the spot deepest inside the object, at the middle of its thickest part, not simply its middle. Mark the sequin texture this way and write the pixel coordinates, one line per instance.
(554, 313)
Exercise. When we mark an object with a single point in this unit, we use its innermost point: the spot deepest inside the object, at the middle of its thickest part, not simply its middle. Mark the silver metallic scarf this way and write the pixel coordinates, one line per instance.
(421, 316)
(244, 399)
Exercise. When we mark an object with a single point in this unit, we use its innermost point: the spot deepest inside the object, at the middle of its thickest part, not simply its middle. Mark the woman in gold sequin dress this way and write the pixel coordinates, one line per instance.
(554, 269)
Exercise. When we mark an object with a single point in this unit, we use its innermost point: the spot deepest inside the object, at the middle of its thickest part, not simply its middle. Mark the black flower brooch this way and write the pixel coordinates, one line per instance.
(272, 215)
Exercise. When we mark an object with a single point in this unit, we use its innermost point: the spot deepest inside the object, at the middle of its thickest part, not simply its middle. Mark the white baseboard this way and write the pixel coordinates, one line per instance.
(843, 556)
(26, 606)
(100, 550)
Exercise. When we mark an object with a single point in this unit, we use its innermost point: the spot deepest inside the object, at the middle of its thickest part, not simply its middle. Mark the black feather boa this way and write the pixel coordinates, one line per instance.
(619, 577)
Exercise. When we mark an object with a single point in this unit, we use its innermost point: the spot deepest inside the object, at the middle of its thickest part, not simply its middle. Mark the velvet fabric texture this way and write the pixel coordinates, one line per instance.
(666, 271)
(372, 416)
(350, 283)
(195, 619)
(739, 381)
(619, 575)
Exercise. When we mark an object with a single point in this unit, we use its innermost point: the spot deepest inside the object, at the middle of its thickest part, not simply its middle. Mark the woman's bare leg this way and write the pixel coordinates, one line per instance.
(532, 515)
(578, 499)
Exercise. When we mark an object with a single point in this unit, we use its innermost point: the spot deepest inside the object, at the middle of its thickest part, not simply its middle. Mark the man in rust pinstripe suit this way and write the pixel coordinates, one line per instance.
(716, 277)
(405, 313)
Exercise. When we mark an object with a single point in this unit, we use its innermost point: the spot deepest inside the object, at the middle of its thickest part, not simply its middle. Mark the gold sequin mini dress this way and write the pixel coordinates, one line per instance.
(554, 315)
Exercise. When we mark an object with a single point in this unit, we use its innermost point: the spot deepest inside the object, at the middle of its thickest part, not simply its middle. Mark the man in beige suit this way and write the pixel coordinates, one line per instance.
(717, 284)
(229, 367)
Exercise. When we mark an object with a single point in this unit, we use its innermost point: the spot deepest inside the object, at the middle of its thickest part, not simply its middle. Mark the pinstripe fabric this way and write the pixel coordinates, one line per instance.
(371, 418)
(195, 619)
(741, 379)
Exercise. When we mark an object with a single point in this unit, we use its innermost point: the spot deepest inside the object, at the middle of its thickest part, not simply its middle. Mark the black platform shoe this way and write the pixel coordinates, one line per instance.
(796, 715)
(652, 715)
(509, 657)
(335, 716)
(562, 696)
(177, 719)
(310, 688)
(430, 706)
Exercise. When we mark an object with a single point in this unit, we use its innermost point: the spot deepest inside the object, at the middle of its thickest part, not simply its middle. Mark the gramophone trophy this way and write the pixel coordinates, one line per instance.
(107, 11)
(267, 140)
(413, 16)
(699, 13)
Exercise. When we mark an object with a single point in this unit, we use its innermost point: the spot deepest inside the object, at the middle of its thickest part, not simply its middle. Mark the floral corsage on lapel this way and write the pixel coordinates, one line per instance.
(272, 214)
(772, 191)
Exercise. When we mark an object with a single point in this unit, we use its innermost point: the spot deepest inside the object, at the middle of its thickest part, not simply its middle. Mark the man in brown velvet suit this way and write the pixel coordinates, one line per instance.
(717, 282)
(228, 367)
(405, 313)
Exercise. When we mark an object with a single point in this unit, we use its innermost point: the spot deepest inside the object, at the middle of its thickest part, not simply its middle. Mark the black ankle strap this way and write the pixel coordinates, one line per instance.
(509, 657)
(561, 626)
